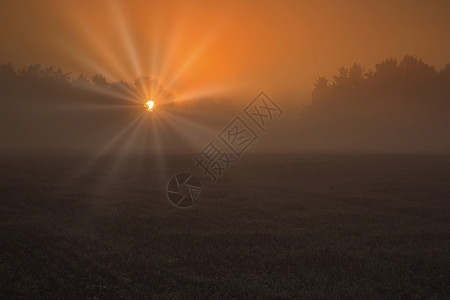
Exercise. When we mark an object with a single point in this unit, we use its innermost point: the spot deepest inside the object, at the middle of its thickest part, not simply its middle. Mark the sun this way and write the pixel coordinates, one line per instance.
(150, 105)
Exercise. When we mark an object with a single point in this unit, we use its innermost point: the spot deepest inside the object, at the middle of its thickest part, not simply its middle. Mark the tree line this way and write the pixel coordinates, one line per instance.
(53, 84)
(397, 105)
(409, 81)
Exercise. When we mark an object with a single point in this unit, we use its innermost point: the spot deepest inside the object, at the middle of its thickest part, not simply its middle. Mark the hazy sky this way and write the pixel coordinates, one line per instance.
(231, 48)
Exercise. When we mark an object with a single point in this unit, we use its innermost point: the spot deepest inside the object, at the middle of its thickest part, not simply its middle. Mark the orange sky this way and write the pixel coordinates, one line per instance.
(226, 48)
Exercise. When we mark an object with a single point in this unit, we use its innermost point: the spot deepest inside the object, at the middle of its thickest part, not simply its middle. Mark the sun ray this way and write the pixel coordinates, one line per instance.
(108, 146)
(123, 86)
(193, 57)
(98, 47)
(125, 35)
(193, 133)
(112, 172)
(85, 60)
(77, 107)
(172, 46)
(107, 92)
(210, 91)
(155, 53)
(158, 147)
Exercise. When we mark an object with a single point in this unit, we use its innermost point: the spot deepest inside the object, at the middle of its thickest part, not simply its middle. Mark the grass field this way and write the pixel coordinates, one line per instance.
(275, 226)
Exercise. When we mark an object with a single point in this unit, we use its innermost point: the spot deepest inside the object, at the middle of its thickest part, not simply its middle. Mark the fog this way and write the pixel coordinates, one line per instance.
(394, 106)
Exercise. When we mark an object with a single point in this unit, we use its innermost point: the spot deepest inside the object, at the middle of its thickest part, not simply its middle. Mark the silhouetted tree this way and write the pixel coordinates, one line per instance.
(406, 94)
(81, 80)
(321, 90)
(99, 80)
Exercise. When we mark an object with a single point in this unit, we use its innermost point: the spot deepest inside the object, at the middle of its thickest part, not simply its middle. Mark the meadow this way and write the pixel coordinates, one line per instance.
(275, 226)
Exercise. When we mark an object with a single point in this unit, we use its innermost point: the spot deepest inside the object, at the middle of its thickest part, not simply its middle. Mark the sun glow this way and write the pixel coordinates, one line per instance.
(150, 105)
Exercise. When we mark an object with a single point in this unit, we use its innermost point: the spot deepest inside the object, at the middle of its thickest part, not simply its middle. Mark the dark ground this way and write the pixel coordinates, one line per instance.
(276, 226)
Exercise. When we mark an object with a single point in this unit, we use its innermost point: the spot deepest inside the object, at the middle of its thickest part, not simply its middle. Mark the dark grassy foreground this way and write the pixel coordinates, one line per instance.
(276, 226)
